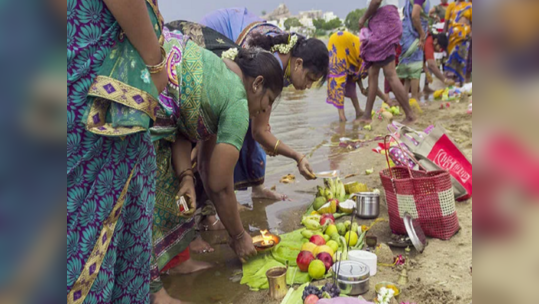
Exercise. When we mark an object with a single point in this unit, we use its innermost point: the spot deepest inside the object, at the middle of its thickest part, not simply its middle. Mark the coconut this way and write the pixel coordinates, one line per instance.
(326, 208)
(347, 207)
(355, 187)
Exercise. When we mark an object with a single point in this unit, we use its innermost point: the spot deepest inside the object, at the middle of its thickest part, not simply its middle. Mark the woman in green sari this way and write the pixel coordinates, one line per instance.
(208, 100)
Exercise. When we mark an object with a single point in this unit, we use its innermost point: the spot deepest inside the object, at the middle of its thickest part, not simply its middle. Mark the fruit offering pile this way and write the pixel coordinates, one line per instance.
(325, 242)
(331, 198)
(312, 294)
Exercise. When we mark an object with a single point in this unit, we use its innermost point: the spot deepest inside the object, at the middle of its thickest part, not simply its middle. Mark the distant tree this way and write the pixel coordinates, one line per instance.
(263, 13)
(352, 20)
(291, 22)
(319, 24)
(333, 24)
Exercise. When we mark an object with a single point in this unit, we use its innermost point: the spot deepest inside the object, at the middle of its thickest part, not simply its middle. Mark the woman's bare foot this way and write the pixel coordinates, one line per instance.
(211, 223)
(162, 297)
(392, 102)
(263, 193)
(200, 246)
(409, 120)
(189, 266)
(364, 120)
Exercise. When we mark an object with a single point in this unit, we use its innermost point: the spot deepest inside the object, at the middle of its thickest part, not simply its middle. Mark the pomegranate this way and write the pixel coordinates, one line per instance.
(327, 217)
(311, 299)
(318, 240)
(304, 259)
(326, 258)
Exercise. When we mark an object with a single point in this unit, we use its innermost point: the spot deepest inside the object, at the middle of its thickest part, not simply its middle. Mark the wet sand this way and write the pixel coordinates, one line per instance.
(304, 121)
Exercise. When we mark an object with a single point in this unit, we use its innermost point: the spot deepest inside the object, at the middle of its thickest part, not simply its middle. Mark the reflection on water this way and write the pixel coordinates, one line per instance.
(305, 122)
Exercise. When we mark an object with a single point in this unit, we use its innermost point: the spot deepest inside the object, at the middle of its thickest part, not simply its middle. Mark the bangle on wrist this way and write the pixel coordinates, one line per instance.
(155, 69)
(239, 236)
(187, 172)
(276, 147)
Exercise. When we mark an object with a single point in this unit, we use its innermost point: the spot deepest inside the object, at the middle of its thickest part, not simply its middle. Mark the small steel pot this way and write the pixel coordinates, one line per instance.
(352, 277)
(368, 205)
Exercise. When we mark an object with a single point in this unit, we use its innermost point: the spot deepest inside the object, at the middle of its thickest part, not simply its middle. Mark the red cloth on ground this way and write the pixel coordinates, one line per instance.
(177, 260)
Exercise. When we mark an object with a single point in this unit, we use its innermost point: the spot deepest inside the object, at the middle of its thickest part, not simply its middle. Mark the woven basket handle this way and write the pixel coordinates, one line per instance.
(412, 157)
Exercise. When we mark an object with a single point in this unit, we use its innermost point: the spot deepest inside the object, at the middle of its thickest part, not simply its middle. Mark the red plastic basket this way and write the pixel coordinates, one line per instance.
(427, 196)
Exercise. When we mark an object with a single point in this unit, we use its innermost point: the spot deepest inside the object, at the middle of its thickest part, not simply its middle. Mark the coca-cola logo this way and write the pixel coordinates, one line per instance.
(447, 162)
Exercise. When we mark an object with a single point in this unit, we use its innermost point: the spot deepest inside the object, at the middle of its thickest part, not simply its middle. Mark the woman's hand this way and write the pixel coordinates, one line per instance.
(305, 169)
(365, 92)
(160, 80)
(187, 188)
(244, 247)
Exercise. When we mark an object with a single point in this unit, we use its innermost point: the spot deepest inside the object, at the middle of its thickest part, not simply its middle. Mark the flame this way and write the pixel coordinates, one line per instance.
(266, 240)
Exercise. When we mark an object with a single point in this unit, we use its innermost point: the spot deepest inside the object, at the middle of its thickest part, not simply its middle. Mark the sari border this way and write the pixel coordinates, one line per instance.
(79, 291)
(245, 32)
(119, 92)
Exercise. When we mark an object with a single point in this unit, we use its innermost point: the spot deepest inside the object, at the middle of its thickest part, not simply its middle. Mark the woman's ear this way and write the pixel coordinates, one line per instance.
(298, 64)
(258, 84)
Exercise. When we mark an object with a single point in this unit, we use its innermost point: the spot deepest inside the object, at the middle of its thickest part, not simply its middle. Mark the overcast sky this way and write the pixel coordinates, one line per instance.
(194, 10)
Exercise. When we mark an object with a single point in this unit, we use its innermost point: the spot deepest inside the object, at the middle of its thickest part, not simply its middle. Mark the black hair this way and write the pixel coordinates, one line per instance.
(314, 52)
(443, 41)
(256, 62)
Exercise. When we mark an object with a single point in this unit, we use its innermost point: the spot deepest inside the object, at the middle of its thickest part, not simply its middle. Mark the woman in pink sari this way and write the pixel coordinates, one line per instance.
(379, 43)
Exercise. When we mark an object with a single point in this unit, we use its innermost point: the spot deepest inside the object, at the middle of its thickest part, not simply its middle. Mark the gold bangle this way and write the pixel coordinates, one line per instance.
(276, 147)
(155, 69)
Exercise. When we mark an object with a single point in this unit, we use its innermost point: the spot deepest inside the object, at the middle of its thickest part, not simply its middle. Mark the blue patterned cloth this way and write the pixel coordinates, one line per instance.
(110, 180)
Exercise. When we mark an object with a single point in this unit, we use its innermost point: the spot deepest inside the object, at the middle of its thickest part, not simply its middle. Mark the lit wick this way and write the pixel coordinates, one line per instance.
(266, 240)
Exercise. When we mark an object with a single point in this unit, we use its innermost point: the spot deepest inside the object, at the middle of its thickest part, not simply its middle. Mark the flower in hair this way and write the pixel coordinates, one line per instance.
(230, 54)
(286, 48)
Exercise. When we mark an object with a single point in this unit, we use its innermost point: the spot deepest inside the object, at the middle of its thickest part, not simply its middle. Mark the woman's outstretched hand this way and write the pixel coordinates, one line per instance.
(305, 169)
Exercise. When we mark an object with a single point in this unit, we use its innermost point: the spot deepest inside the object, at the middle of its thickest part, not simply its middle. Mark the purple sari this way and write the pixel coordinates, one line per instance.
(380, 40)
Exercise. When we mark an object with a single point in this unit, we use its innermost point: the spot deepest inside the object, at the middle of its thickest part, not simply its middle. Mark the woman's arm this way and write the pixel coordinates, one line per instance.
(133, 17)
(216, 166)
(181, 162)
(373, 7)
(263, 136)
(416, 20)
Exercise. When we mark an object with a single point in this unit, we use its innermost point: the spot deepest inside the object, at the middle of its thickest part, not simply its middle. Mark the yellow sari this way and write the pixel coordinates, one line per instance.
(345, 67)
(460, 18)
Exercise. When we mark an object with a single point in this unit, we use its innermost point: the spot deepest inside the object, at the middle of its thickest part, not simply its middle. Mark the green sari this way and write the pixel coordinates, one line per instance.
(203, 99)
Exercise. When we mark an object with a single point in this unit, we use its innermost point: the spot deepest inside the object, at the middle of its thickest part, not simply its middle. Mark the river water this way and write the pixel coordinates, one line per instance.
(305, 122)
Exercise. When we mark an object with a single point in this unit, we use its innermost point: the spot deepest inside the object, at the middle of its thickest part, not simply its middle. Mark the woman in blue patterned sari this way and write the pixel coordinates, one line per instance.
(114, 76)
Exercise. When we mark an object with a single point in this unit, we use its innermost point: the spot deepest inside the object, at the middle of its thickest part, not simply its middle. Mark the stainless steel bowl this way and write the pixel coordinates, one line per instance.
(368, 205)
(352, 277)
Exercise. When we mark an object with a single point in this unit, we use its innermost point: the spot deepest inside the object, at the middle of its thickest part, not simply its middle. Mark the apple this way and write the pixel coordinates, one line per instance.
(327, 217)
(318, 240)
(304, 259)
(326, 258)
(311, 299)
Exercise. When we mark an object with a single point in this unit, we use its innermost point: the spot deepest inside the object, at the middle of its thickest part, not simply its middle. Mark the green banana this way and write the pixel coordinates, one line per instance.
(329, 195)
(320, 191)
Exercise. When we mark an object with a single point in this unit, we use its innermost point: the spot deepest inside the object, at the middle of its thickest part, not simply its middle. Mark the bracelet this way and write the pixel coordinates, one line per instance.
(239, 236)
(155, 69)
(187, 172)
(276, 147)
(300, 160)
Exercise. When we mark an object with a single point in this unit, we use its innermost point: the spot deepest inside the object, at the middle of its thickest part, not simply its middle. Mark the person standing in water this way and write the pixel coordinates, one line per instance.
(379, 42)
(345, 71)
(415, 33)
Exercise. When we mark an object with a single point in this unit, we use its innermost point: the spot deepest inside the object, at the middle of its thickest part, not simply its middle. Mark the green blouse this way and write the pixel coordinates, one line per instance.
(212, 98)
